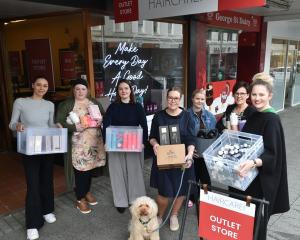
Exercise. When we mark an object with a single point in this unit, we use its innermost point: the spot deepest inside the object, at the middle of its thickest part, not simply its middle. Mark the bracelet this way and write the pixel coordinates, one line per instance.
(254, 163)
(190, 159)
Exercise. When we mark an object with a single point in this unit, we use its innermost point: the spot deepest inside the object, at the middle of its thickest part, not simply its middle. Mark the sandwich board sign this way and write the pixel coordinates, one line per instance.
(225, 218)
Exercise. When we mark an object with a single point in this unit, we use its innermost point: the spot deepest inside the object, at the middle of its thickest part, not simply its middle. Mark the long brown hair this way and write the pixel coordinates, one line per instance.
(118, 98)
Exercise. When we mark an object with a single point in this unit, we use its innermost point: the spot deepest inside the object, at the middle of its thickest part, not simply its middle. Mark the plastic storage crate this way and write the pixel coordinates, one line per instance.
(124, 139)
(222, 160)
(35, 141)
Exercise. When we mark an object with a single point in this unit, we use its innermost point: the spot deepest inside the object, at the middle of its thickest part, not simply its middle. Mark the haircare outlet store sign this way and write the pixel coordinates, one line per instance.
(133, 10)
(225, 218)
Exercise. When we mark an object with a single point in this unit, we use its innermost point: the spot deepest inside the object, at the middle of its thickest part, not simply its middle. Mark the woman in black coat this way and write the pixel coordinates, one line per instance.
(271, 182)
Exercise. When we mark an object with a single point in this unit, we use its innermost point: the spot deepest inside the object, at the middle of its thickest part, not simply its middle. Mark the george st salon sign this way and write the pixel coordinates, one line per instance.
(225, 218)
(133, 10)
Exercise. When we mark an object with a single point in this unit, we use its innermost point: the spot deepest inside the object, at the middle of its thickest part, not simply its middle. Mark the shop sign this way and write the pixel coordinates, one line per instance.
(132, 10)
(67, 65)
(40, 60)
(232, 20)
(225, 218)
(125, 57)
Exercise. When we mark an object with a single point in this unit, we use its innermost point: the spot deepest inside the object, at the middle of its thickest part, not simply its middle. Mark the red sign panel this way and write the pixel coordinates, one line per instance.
(232, 20)
(40, 60)
(67, 65)
(235, 4)
(126, 10)
(225, 218)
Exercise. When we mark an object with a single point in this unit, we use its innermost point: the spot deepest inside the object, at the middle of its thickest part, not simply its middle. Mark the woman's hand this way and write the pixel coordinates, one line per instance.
(155, 148)
(58, 125)
(20, 127)
(188, 161)
(245, 167)
(80, 127)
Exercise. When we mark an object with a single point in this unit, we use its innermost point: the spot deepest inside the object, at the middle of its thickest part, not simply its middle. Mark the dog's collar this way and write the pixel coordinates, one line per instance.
(144, 223)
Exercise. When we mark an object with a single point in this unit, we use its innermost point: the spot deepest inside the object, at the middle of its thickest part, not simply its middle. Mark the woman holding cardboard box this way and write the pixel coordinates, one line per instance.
(167, 181)
(126, 168)
(82, 116)
(35, 112)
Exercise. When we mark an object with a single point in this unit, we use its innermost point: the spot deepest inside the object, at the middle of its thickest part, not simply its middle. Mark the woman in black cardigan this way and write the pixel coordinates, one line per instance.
(240, 107)
(271, 182)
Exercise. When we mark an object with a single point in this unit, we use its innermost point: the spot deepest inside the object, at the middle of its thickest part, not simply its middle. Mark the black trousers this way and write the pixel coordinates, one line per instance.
(83, 181)
(202, 175)
(40, 194)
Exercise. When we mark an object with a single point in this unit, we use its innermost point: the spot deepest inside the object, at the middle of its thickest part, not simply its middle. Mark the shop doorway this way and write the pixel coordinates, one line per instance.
(285, 69)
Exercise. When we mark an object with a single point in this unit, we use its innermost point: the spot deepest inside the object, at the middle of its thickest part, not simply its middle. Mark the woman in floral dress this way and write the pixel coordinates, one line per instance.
(87, 149)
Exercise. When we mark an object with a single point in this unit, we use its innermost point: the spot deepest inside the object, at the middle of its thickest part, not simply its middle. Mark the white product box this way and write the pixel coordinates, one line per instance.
(222, 162)
(35, 141)
(124, 139)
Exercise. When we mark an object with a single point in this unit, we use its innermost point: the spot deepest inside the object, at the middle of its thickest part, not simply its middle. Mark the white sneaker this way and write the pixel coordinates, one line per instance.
(174, 224)
(32, 234)
(50, 218)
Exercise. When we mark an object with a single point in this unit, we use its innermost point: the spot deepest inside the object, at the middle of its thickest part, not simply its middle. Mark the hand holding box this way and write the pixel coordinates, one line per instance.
(94, 112)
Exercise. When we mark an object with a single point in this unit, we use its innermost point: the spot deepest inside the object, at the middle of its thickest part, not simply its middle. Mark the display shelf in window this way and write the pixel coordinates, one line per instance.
(124, 139)
(224, 156)
(34, 141)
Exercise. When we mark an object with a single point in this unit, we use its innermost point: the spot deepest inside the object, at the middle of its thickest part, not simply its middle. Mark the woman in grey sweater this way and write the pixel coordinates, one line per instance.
(27, 112)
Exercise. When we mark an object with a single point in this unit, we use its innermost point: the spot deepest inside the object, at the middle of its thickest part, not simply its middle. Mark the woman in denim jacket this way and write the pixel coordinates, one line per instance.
(201, 119)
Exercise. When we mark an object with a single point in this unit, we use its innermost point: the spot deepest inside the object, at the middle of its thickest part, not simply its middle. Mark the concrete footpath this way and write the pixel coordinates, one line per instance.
(105, 223)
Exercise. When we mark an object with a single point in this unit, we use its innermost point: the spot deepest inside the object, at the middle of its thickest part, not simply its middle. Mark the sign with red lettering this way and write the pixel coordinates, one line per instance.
(67, 65)
(40, 60)
(225, 218)
(232, 20)
(133, 10)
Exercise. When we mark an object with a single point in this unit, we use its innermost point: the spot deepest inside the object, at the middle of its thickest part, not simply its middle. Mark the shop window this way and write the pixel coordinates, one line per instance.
(141, 26)
(170, 28)
(119, 27)
(221, 55)
(156, 27)
(152, 63)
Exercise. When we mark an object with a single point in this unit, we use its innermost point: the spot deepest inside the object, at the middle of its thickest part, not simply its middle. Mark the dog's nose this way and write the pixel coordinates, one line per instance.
(143, 212)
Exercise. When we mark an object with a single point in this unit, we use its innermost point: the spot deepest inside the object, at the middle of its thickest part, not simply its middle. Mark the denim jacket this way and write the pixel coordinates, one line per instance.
(207, 117)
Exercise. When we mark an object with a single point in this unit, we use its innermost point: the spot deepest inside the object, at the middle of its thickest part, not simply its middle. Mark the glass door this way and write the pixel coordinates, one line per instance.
(278, 71)
(296, 85)
(290, 72)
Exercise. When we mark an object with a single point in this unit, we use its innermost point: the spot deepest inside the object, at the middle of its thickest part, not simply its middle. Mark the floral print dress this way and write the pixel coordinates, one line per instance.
(87, 146)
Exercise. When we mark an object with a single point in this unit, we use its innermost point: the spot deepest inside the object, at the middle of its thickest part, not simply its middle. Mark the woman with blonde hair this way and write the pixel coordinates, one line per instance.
(271, 183)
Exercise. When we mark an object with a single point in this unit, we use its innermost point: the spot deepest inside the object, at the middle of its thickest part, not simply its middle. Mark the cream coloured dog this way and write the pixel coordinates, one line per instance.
(144, 224)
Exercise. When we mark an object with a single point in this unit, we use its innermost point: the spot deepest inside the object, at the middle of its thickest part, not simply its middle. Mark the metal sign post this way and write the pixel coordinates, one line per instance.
(260, 203)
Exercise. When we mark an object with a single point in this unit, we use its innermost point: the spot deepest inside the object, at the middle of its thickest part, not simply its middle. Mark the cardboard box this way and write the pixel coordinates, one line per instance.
(170, 156)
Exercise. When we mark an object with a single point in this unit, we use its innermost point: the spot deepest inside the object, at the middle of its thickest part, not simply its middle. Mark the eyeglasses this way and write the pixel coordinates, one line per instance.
(240, 94)
(175, 99)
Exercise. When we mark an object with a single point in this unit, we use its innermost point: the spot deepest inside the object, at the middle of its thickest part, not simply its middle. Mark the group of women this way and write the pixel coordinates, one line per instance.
(87, 149)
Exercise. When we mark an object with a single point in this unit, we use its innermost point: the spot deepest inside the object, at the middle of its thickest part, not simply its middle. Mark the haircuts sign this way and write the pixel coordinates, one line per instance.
(225, 218)
(132, 10)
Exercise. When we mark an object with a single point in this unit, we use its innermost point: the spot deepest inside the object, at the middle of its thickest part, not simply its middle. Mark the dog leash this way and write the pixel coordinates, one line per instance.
(172, 205)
